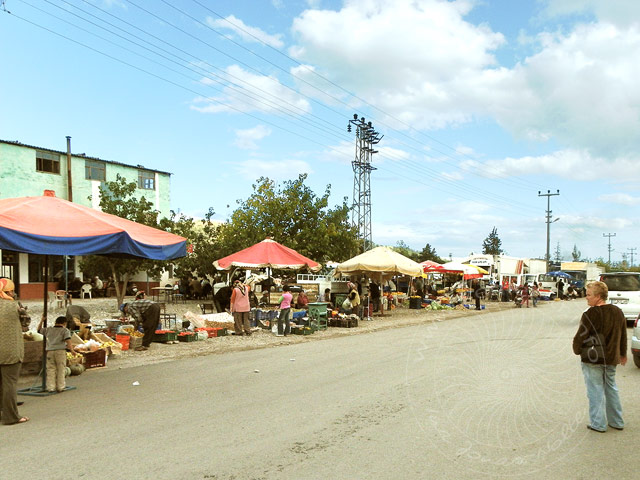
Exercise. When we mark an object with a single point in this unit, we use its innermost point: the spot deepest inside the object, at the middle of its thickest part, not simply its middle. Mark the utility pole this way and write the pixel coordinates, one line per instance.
(548, 219)
(631, 252)
(366, 137)
(609, 248)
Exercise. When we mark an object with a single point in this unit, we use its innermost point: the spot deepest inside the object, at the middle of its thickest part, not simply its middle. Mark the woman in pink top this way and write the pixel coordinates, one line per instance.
(285, 309)
(240, 307)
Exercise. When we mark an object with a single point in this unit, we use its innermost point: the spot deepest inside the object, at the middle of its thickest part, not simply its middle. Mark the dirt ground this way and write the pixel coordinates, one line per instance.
(106, 309)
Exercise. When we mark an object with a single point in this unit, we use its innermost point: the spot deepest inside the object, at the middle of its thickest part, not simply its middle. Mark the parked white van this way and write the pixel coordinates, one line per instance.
(624, 291)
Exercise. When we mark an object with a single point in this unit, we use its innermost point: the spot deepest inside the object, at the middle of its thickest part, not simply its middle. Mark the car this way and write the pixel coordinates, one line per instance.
(635, 342)
(624, 291)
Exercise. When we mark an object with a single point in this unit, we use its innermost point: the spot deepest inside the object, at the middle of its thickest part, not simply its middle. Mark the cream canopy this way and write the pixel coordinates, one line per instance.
(382, 260)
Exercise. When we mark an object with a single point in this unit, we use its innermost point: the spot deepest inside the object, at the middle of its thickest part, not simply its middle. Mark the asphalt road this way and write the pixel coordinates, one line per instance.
(487, 396)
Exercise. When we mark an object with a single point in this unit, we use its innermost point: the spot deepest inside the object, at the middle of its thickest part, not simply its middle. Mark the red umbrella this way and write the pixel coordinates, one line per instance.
(429, 266)
(267, 253)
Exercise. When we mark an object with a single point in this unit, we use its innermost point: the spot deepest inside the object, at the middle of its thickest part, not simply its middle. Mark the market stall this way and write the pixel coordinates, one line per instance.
(48, 225)
(380, 263)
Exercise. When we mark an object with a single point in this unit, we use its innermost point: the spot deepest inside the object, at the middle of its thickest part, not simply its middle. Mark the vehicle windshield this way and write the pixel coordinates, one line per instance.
(622, 283)
(547, 278)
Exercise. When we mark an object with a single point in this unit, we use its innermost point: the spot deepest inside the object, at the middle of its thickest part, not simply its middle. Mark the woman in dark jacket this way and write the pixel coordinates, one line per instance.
(607, 322)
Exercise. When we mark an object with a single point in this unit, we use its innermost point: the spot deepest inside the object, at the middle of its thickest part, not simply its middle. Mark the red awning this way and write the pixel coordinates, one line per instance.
(267, 253)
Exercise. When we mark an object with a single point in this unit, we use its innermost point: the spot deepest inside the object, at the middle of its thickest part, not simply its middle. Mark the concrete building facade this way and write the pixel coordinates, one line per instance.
(27, 170)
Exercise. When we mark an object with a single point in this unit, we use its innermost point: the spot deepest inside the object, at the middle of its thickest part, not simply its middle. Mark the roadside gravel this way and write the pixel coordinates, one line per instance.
(106, 309)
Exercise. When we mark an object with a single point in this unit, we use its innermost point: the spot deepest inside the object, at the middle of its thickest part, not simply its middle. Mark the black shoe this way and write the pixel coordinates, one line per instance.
(22, 403)
(591, 428)
(617, 428)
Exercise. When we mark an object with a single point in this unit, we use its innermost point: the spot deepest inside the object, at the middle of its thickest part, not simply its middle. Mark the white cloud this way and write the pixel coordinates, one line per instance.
(251, 93)
(246, 32)
(420, 72)
(620, 198)
(276, 170)
(246, 139)
(623, 12)
(576, 165)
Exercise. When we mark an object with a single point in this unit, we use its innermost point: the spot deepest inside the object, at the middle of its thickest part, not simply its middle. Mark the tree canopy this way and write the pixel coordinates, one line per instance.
(492, 245)
(291, 214)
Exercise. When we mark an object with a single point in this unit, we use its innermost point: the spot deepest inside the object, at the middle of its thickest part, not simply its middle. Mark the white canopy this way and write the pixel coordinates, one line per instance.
(382, 260)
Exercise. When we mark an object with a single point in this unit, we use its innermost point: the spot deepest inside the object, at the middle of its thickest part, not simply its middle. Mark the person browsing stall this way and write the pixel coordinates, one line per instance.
(285, 309)
(144, 312)
(11, 354)
(58, 343)
(240, 307)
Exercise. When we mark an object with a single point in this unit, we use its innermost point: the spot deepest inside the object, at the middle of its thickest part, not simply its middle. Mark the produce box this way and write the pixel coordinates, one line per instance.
(124, 341)
(95, 359)
(211, 332)
(135, 342)
(187, 337)
(163, 336)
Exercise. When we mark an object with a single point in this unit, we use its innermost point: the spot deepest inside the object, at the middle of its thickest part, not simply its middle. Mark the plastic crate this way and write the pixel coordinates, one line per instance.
(165, 337)
(95, 359)
(188, 337)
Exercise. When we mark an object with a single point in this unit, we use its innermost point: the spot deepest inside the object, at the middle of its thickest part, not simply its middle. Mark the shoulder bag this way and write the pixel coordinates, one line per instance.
(593, 349)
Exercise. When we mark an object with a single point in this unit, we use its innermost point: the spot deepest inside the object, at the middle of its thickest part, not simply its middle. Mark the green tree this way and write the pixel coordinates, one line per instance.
(204, 246)
(291, 214)
(118, 198)
(404, 249)
(558, 254)
(492, 245)
(575, 254)
(429, 253)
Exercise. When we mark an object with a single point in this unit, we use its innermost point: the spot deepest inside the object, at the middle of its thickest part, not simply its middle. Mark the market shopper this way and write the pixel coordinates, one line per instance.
(144, 312)
(354, 298)
(374, 294)
(58, 342)
(240, 307)
(11, 354)
(605, 323)
(535, 294)
(285, 309)
(79, 319)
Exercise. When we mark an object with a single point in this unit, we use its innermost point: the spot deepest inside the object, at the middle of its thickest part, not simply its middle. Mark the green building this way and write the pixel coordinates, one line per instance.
(27, 170)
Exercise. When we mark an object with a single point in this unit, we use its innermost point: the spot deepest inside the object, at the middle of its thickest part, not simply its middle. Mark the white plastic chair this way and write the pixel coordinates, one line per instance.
(85, 290)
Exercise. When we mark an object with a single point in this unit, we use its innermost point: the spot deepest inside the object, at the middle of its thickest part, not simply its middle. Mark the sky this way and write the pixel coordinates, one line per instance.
(482, 104)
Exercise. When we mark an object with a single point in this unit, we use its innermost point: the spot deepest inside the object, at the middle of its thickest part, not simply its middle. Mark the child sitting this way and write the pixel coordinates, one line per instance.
(58, 342)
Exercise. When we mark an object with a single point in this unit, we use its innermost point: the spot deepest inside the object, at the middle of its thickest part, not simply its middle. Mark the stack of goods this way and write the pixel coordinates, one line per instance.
(187, 336)
(165, 336)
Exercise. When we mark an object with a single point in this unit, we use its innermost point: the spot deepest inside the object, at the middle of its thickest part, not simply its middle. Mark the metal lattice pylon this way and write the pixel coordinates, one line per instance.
(366, 137)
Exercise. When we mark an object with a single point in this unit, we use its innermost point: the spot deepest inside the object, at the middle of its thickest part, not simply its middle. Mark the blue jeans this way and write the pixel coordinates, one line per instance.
(602, 392)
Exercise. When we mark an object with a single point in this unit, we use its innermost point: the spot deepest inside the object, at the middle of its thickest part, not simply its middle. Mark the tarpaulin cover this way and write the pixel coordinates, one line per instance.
(53, 226)
(267, 253)
(382, 260)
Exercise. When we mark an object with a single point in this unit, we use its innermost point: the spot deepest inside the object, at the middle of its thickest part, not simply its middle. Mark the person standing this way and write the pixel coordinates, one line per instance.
(535, 294)
(607, 324)
(285, 309)
(58, 342)
(144, 312)
(560, 286)
(477, 293)
(525, 294)
(374, 293)
(11, 354)
(240, 307)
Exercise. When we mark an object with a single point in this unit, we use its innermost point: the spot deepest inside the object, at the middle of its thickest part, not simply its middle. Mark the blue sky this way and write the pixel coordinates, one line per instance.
(482, 104)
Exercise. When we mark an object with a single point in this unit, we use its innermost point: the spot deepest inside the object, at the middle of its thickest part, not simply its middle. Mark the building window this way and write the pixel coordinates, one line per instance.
(146, 180)
(95, 170)
(56, 268)
(47, 162)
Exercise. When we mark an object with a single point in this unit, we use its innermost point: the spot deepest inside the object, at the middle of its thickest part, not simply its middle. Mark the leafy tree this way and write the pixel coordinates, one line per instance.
(291, 214)
(118, 198)
(429, 253)
(404, 249)
(558, 253)
(575, 254)
(492, 245)
(204, 245)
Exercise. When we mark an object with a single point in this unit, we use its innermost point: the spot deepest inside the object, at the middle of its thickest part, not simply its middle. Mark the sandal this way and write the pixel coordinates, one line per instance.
(22, 420)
